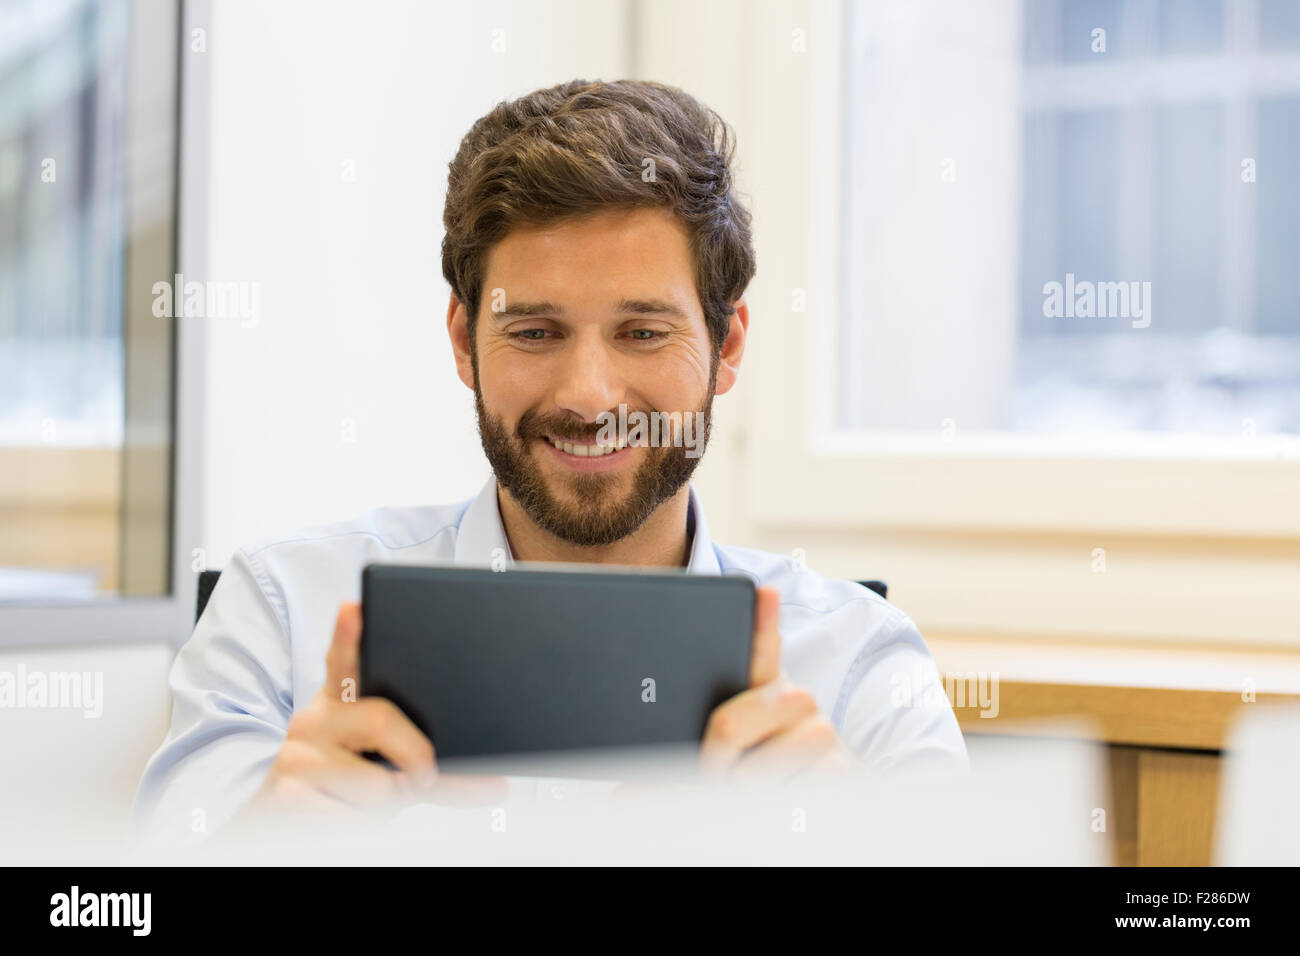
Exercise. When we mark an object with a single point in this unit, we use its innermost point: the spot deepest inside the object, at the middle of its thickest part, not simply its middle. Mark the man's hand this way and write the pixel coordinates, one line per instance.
(773, 730)
(320, 767)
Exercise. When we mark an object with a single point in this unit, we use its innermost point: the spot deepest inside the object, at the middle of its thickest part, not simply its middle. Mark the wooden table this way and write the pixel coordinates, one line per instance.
(1165, 714)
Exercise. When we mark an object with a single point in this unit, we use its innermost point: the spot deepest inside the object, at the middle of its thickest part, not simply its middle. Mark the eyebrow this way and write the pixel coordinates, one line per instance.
(524, 309)
(625, 306)
(649, 307)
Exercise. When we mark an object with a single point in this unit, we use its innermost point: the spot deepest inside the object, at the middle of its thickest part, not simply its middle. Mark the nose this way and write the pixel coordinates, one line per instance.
(590, 381)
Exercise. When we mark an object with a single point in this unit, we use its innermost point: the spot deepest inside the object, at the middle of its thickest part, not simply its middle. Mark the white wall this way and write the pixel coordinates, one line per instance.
(352, 297)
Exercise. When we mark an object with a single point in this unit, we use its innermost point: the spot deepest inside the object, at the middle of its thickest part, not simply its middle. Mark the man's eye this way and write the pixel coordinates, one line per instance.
(530, 335)
(645, 335)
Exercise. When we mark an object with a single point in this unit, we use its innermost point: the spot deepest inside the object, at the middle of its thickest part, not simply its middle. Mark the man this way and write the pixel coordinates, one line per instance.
(598, 259)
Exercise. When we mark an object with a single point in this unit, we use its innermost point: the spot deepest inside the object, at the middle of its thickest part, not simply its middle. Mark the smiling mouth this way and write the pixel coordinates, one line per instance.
(585, 449)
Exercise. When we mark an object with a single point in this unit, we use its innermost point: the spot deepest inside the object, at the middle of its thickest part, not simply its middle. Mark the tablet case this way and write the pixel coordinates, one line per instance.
(530, 662)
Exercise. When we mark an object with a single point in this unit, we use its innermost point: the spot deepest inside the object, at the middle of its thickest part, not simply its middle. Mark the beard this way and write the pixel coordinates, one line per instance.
(604, 515)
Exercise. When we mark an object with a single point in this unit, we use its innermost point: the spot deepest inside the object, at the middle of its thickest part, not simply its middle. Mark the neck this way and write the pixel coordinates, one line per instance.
(662, 541)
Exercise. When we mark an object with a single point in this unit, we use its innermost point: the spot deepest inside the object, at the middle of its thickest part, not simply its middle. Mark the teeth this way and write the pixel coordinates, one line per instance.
(587, 451)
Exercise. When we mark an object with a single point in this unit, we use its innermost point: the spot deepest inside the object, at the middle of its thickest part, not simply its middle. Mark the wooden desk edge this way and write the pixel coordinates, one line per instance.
(1189, 719)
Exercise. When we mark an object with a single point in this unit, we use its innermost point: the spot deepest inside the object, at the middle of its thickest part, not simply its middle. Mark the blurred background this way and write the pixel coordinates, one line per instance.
(1100, 502)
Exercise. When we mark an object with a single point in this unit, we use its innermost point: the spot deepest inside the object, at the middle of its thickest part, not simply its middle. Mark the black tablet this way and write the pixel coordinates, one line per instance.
(531, 662)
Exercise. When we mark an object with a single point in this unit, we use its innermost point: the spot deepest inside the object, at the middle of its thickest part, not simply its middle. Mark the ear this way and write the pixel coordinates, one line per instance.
(458, 331)
(733, 347)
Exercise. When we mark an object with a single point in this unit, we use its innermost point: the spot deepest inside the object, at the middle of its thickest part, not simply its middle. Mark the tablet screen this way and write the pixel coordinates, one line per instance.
(535, 661)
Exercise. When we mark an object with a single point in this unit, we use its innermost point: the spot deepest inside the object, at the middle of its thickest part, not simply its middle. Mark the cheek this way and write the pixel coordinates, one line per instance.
(510, 385)
(677, 384)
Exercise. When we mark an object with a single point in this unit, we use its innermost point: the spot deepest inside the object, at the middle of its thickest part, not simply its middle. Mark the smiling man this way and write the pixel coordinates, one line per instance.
(598, 258)
(607, 317)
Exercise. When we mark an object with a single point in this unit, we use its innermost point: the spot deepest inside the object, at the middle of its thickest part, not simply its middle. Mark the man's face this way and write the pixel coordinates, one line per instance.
(576, 320)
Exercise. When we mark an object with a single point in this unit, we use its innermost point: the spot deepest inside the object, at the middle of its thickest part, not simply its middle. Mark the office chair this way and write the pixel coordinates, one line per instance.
(208, 580)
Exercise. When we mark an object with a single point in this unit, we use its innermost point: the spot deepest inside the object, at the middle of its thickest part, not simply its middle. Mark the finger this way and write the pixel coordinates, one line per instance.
(789, 752)
(343, 661)
(376, 724)
(282, 797)
(294, 800)
(300, 797)
(339, 774)
(751, 717)
(765, 654)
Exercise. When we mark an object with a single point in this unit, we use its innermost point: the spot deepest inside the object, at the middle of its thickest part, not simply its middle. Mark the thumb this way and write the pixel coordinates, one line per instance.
(765, 653)
(343, 662)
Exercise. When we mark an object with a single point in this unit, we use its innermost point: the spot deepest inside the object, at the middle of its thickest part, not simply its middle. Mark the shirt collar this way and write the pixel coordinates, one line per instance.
(481, 538)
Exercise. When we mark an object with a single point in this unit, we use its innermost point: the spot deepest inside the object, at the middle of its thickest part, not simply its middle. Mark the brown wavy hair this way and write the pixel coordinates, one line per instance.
(582, 147)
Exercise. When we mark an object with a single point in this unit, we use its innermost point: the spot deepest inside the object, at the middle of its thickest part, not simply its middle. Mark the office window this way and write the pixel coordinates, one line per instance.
(87, 194)
(1093, 208)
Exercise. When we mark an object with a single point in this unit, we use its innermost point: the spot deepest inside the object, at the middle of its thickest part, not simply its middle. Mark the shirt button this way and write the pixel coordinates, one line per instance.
(557, 792)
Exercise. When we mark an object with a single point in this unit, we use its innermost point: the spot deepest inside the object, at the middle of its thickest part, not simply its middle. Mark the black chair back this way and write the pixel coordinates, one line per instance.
(207, 581)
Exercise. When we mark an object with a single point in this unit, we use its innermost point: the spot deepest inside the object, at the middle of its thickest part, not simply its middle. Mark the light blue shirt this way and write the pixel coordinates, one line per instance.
(258, 653)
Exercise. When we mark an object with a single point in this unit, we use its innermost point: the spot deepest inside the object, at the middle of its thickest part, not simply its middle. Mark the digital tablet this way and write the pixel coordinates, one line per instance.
(536, 662)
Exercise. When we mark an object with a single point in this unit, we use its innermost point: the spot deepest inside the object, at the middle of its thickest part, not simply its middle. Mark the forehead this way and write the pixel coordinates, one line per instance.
(610, 254)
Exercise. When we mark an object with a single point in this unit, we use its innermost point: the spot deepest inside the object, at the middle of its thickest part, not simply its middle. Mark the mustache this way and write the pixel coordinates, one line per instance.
(538, 426)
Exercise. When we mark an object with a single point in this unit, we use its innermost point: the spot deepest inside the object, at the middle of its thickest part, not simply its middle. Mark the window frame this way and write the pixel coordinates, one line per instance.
(807, 486)
(1150, 484)
(168, 617)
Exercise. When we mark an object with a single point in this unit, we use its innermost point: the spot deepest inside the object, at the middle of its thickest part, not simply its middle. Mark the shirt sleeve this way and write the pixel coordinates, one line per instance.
(895, 714)
(232, 697)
